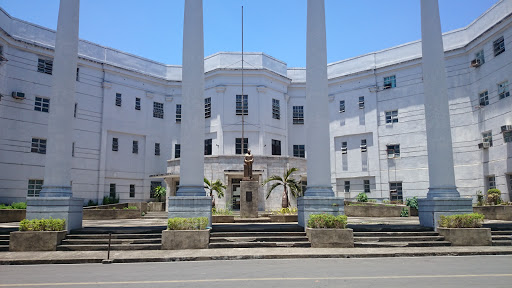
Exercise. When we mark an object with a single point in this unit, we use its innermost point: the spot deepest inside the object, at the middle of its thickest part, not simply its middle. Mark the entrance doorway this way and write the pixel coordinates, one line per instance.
(235, 195)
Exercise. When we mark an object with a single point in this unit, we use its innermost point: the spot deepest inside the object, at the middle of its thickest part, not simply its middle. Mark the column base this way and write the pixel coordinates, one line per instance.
(192, 191)
(67, 208)
(318, 205)
(191, 206)
(249, 192)
(56, 191)
(431, 209)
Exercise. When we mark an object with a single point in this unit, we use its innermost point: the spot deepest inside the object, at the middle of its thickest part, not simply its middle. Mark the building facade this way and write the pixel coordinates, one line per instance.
(128, 113)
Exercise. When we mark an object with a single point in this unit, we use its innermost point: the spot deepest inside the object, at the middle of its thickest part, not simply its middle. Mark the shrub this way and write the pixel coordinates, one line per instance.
(386, 201)
(493, 196)
(404, 212)
(285, 211)
(412, 202)
(158, 193)
(42, 225)
(327, 221)
(19, 205)
(362, 197)
(220, 211)
(92, 203)
(110, 200)
(3, 206)
(130, 208)
(473, 220)
(480, 198)
(372, 200)
(197, 223)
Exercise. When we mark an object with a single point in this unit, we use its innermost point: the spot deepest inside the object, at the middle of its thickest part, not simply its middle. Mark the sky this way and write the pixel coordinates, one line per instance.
(154, 28)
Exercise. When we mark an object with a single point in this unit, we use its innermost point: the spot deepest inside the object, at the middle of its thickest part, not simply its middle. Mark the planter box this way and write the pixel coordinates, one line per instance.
(12, 215)
(155, 206)
(284, 218)
(35, 240)
(374, 211)
(109, 214)
(495, 212)
(185, 239)
(467, 236)
(413, 212)
(330, 238)
(223, 219)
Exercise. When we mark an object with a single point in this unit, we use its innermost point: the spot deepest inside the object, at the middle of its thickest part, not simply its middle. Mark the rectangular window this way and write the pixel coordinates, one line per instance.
(115, 144)
(135, 147)
(503, 91)
(238, 145)
(42, 104)
(342, 106)
(73, 149)
(392, 116)
(34, 187)
(157, 149)
(395, 191)
(298, 114)
(177, 150)
(507, 136)
(154, 184)
(38, 146)
(390, 82)
(480, 56)
(74, 112)
(393, 151)
(361, 102)
(499, 46)
(276, 147)
(347, 186)
(207, 146)
(242, 104)
(112, 190)
(484, 98)
(487, 137)
(208, 107)
(366, 186)
(491, 181)
(45, 66)
(132, 190)
(343, 147)
(137, 103)
(363, 145)
(299, 151)
(178, 113)
(118, 99)
(158, 110)
(77, 74)
(276, 109)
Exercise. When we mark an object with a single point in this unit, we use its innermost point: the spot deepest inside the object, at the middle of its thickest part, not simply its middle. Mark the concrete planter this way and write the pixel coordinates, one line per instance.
(467, 236)
(223, 219)
(330, 238)
(185, 239)
(35, 240)
(495, 212)
(283, 218)
(155, 206)
(109, 214)
(12, 215)
(413, 212)
(374, 210)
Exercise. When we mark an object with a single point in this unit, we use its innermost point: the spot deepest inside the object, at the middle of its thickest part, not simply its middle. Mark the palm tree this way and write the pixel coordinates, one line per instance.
(287, 182)
(215, 186)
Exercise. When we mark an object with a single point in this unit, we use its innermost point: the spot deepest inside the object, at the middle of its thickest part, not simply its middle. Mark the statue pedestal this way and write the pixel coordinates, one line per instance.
(249, 191)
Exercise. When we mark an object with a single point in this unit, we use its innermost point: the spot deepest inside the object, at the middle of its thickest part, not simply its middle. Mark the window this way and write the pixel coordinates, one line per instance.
(363, 145)
(45, 66)
(343, 147)
(298, 114)
(177, 150)
(487, 137)
(242, 103)
(135, 147)
(393, 151)
(276, 147)
(503, 91)
(361, 102)
(491, 181)
(178, 113)
(484, 98)
(42, 104)
(1, 50)
(392, 116)
(112, 190)
(132, 190)
(77, 74)
(507, 136)
(157, 149)
(342, 106)
(347, 186)
(115, 144)
(390, 82)
(74, 112)
(480, 56)
(137, 103)
(118, 99)
(395, 191)
(499, 46)
(276, 109)
(158, 110)
(208, 107)
(73, 149)
(154, 184)
(238, 145)
(34, 187)
(366, 186)
(299, 151)
(207, 146)
(38, 146)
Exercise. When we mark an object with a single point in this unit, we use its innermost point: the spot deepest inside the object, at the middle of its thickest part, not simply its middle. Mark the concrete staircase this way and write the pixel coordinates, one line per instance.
(4, 238)
(501, 238)
(156, 215)
(398, 239)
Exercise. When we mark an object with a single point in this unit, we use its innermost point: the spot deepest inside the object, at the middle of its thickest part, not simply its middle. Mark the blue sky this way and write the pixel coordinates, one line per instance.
(153, 28)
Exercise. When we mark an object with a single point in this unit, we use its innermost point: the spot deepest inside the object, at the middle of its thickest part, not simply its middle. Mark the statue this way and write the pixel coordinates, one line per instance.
(248, 159)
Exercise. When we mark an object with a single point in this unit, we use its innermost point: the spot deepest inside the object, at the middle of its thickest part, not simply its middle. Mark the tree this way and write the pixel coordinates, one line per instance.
(159, 192)
(288, 183)
(216, 186)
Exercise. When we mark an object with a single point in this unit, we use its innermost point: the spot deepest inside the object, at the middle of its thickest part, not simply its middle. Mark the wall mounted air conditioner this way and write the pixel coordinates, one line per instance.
(506, 128)
(18, 95)
(484, 145)
(475, 63)
(363, 148)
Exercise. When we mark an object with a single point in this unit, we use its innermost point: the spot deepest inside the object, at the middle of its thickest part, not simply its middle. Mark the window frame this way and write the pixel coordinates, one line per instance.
(112, 190)
(42, 104)
(132, 190)
(276, 109)
(135, 147)
(299, 151)
(238, 146)
(37, 186)
(391, 116)
(38, 145)
(177, 151)
(242, 104)
(389, 82)
(503, 90)
(298, 115)
(115, 144)
(361, 102)
(157, 149)
(346, 186)
(208, 146)
(342, 106)
(491, 181)
(395, 148)
(119, 99)
(137, 104)
(178, 113)
(45, 66)
(507, 136)
(158, 110)
(498, 46)
(364, 145)
(344, 147)
(208, 107)
(366, 185)
(399, 191)
(276, 147)
(483, 98)
(480, 56)
(487, 137)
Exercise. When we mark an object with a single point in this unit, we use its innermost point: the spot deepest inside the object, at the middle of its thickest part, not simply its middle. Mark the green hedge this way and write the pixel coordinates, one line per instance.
(473, 220)
(327, 221)
(16, 205)
(42, 225)
(198, 223)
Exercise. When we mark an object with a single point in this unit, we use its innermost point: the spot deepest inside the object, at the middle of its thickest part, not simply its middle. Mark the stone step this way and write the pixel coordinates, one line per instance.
(4, 247)
(502, 237)
(113, 241)
(256, 227)
(257, 239)
(104, 247)
(401, 244)
(4, 237)
(394, 234)
(509, 233)
(114, 236)
(253, 220)
(399, 239)
(501, 242)
(259, 244)
(4, 242)
(119, 230)
(256, 234)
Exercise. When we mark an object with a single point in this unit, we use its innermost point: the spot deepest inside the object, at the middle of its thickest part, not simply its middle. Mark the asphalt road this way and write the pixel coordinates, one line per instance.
(477, 271)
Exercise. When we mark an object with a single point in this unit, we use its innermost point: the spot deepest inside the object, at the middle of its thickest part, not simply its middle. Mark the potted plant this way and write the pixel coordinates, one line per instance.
(38, 235)
(186, 233)
(329, 231)
(464, 230)
(288, 183)
(284, 215)
(494, 208)
(216, 186)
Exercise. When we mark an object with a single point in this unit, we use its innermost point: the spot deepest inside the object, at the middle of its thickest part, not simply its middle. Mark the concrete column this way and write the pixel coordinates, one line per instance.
(442, 197)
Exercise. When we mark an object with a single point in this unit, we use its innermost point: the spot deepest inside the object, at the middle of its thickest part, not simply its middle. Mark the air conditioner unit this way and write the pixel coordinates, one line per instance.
(506, 128)
(475, 63)
(18, 95)
(391, 156)
(393, 192)
(484, 145)
(363, 148)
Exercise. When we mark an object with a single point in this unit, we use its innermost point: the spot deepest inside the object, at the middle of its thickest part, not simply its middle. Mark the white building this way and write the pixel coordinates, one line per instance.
(127, 116)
